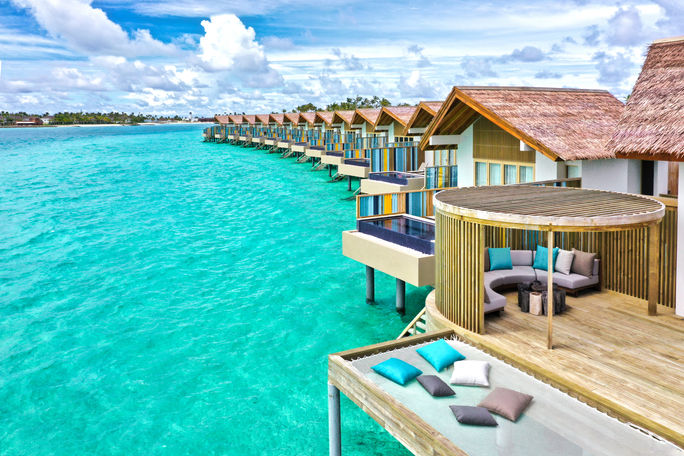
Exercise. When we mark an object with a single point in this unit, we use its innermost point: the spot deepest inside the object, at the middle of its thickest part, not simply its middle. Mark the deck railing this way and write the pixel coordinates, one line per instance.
(575, 182)
(623, 254)
(441, 176)
(417, 202)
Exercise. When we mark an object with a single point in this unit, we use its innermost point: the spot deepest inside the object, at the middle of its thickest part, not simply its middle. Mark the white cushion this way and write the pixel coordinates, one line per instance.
(471, 373)
(564, 261)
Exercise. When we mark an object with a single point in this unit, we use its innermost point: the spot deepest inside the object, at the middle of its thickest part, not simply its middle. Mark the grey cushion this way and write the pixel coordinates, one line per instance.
(583, 263)
(564, 261)
(507, 403)
(570, 281)
(521, 257)
(435, 386)
(492, 279)
(478, 416)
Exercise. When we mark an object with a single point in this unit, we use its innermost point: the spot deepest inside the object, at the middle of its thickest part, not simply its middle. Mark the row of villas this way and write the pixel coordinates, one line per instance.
(523, 168)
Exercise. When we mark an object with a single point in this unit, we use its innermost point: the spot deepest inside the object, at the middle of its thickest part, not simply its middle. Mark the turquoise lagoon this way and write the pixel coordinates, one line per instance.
(160, 295)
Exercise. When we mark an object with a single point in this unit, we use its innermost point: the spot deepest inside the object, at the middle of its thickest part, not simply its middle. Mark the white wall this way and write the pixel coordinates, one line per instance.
(612, 175)
(390, 133)
(660, 178)
(679, 306)
(547, 169)
(464, 159)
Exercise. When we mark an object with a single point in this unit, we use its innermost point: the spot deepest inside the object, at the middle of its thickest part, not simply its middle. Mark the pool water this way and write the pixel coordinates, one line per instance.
(160, 295)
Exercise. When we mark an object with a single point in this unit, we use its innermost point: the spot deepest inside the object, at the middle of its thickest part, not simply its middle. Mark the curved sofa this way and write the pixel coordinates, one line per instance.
(524, 272)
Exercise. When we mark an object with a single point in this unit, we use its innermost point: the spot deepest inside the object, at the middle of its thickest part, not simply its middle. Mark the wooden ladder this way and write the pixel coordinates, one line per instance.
(417, 326)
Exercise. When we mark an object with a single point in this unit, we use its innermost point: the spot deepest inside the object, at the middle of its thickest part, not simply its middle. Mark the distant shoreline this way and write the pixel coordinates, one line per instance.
(105, 125)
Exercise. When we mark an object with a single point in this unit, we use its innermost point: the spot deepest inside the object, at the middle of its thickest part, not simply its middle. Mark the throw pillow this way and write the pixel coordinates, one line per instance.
(500, 259)
(440, 354)
(435, 386)
(541, 259)
(478, 416)
(470, 373)
(564, 261)
(397, 370)
(583, 263)
(507, 403)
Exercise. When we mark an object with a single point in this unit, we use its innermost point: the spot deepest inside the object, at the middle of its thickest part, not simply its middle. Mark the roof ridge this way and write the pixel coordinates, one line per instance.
(535, 89)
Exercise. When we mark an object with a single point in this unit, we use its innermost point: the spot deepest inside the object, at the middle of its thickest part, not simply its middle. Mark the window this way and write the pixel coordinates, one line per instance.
(498, 173)
(480, 173)
(510, 174)
(526, 174)
(494, 174)
(574, 171)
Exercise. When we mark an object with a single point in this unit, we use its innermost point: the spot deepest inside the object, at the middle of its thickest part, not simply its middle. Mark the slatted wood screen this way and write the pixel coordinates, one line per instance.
(623, 254)
(460, 271)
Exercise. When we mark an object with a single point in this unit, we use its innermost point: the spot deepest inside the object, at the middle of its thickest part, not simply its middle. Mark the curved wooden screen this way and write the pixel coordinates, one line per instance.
(459, 256)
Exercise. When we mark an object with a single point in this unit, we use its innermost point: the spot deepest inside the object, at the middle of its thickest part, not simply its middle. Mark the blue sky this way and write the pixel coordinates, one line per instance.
(160, 57)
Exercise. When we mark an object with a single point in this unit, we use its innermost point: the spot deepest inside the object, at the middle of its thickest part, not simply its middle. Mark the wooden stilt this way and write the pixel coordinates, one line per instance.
(349, 182)
(653, 268)
(370, 284)
(334, 428)
(549, 293)
(401, 296)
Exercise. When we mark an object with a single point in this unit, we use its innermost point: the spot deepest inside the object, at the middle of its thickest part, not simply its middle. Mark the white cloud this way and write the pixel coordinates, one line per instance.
(277, 43)
(227, 45)
(613, 69)
(625, 28)
(89, 30)
(417, 52)
(476, 67)
(417, 87)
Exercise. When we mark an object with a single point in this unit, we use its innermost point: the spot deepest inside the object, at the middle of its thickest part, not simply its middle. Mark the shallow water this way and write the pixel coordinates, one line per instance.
(160, 295)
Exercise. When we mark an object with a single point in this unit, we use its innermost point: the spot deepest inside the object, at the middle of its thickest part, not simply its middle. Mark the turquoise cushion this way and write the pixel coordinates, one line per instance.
(397, 370)
(541, 260)
(440, 354)
(500, 259)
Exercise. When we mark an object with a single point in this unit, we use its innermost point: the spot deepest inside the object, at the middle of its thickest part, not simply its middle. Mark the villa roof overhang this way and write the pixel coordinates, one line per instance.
(222, 119)
(309, 117)
(368, 115)
(343, 117)
(652, 125)
(325, 117)
(425, 112)
(250, 119)
(401, 114)
(563, 124)
(236, 119)
(263, 118)
(293, 117)
(550, 208)
(277, 118)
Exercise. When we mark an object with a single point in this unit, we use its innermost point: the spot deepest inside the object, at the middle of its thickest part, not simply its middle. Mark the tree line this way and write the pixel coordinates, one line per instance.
(350, 104)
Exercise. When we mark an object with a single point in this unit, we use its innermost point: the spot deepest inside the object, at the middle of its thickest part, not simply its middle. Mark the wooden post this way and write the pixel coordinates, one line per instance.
(334, 428)
(653, 268)
(370, 284)
(549, 292)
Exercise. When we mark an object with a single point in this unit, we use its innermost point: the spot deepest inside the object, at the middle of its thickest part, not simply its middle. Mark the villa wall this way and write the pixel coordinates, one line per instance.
(612, 175)
(547, 169)
(464, 158)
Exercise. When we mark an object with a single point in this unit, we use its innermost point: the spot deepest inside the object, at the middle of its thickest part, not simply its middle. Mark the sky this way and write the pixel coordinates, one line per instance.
(222, 56)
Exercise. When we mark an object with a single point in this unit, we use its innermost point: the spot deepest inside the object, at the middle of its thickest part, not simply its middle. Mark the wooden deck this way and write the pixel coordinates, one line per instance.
(607, 352)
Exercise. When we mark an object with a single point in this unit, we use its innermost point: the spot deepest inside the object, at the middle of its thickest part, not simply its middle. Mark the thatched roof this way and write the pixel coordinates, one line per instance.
(401, 114)
(222, 119)
(324, 116)
(566, 124)
(250, 119)
(425, 112)
(292, 117)
(369, 115)
(652, 124)
(309, 117)
(277, 118)
(263, 118)
(236, 119)
(343, 116)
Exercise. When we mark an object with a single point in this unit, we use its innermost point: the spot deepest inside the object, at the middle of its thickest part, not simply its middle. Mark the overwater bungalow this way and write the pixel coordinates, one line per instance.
(651, 131)
(393, 120)
(323, 128)
(363, 121)
(440, 165)
(235, 122)
(260, 130)
(307, 125)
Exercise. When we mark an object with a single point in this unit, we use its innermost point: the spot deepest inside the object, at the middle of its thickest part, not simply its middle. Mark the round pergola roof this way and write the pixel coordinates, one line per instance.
(550, 208)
